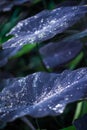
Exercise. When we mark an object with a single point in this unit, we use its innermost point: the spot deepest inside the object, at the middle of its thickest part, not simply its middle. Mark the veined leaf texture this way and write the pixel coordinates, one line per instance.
(44, 25)
(41, 94)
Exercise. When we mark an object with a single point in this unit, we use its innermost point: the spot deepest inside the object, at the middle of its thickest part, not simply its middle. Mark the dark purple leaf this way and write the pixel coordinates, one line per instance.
(41, 94)
(6, 5)
(81, 124)
(56, 54)
(6, 54)
(44, 25)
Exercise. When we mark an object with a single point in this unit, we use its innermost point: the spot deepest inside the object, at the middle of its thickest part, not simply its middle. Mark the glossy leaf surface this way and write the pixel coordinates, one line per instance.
(59, 53)
(41, 94)
(44, 25)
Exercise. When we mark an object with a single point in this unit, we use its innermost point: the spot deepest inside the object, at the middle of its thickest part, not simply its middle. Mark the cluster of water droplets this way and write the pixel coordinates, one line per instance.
(44, 25)
(41, 94)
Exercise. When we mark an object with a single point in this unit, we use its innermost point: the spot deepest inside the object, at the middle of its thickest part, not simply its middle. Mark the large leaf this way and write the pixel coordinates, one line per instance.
(81, 124)
(60, 52)
(44, 25)
(6, 5)
(41, 94)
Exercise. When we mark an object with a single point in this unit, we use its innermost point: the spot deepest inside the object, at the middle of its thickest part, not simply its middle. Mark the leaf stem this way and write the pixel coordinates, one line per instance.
(45, 68)
(78, 110)
(25, 120)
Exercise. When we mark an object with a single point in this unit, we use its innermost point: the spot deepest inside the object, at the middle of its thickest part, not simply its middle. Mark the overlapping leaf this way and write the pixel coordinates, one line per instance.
(81, 124)
(44, 25)
(59, 53)
(6, 5)
(41, 94)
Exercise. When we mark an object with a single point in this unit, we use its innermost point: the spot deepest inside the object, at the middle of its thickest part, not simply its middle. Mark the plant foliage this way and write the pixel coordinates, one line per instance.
(44, 25)
(41, 94)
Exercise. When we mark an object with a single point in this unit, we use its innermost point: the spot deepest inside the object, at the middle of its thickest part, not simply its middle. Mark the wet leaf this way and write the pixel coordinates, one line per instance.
(41, 94)
(44, 25)
(6, 5)
(81, 123)
(60, 52)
